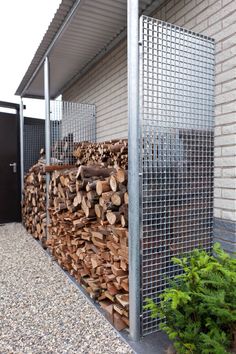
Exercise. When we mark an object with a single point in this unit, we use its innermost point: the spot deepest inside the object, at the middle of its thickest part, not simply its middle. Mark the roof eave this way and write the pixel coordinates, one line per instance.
(53, 35)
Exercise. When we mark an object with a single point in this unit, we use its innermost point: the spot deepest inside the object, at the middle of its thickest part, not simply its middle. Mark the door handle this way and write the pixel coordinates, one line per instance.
(13, 165)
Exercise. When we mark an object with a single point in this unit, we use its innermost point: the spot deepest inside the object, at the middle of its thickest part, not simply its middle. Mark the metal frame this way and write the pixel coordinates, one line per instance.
(133, 177)
(47, 130)
(10, 105)
(19, 111)
(22, 145)
(16, 107)
(135, 145)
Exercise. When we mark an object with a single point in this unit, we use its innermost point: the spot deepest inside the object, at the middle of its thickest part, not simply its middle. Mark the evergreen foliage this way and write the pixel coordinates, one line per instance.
(199, 307)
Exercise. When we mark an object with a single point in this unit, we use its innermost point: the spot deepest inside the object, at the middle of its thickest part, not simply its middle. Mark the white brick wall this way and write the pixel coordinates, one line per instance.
(106, 86)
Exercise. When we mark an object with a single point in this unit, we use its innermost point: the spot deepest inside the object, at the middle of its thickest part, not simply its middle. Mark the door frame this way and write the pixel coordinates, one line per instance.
(16, 107)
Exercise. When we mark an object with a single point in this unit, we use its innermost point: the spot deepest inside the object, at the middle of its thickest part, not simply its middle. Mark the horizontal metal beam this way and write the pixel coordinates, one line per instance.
(11, 105)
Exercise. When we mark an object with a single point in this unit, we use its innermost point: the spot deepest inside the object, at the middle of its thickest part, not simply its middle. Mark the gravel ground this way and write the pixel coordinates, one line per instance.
(40, 310)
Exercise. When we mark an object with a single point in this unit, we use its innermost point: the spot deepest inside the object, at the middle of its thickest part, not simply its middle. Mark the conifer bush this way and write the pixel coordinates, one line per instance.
(199, 306)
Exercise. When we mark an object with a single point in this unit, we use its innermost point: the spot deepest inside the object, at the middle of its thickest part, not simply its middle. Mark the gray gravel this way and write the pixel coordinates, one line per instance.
(40, 310)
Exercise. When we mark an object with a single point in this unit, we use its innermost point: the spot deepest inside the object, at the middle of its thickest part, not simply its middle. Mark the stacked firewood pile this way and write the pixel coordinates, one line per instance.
(113, 153)
(88, 231)
(34, 200)
(108, 154)
(89, 235)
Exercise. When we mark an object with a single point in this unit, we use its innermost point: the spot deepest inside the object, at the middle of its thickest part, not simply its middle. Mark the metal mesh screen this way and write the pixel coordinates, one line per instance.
(34, 140)
(177, 94)
(70, 123)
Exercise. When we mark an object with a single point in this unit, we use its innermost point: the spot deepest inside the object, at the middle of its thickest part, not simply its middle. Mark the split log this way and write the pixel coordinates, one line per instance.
(87, 172)
(113, 183)
(102, 187)
(117, 198)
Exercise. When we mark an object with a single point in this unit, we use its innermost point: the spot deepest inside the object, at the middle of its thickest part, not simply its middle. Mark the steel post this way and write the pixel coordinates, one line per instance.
(47, 130)
(22, 145)
(133, 177)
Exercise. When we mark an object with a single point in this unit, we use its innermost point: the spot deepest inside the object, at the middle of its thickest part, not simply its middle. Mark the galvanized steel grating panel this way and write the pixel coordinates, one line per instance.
(177, 105)
(71, 123)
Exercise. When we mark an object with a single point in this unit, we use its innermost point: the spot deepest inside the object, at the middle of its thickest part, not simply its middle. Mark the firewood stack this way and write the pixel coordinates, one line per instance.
(34, 201)
(112, 153)
(89, 220)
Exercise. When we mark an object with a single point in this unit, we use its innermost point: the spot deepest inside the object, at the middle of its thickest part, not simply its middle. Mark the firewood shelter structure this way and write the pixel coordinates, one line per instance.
(169, 124)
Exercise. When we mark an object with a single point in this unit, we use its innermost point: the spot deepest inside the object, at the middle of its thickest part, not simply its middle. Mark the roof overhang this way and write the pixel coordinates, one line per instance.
(81, 32)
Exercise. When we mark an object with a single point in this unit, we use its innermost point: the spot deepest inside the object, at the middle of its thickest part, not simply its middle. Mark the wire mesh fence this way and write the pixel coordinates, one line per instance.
(177, 92)
(71, 123)
(34, 141)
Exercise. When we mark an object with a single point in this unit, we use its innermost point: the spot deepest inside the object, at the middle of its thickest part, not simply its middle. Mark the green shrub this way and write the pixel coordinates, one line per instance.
(199, 306)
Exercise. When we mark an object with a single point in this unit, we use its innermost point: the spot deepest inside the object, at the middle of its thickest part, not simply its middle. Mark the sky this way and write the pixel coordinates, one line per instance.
(22, 26)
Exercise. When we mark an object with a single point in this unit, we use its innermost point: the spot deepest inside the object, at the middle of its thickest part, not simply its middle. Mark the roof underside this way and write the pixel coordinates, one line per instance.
(78, 34)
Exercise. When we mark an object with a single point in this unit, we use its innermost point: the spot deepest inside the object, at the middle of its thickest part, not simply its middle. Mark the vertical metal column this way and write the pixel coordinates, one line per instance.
(47, 130)
(133, 178)
(22, 145)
